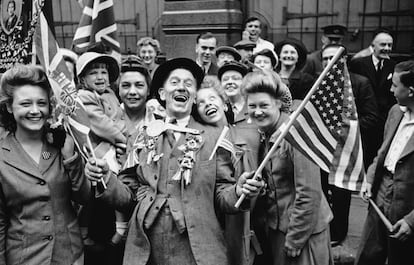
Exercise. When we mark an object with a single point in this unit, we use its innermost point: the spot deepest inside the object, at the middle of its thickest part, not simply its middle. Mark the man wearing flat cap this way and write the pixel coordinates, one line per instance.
(245, 48)
(226, 54)
(332, 34)
(179, 183)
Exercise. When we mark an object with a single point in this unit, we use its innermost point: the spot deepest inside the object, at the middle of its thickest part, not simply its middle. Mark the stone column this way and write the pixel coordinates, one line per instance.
(182, 21)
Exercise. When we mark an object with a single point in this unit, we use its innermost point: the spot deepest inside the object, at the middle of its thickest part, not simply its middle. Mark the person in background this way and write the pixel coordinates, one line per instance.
(292, 55)
(295, 212)
(174, 201)
(40, 175)
(231, 75)
(389, 182)
(252, 31)
(148, 49)
(225, 54)
(369, 50)
(331, 34)
(206, 45)
(265, 60)
(378, 68)
(245, 48)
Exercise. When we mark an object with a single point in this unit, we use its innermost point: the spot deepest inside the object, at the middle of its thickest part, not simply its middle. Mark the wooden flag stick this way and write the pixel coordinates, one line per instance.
(384, 219)
(292, 118)
(88, 140)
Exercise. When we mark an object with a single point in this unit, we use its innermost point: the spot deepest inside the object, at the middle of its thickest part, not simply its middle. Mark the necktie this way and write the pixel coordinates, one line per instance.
(379, 70)
(170, 133)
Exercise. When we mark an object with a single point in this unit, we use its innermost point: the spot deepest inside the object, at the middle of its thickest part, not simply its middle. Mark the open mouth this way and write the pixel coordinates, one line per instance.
(181, 98)
(211, 111)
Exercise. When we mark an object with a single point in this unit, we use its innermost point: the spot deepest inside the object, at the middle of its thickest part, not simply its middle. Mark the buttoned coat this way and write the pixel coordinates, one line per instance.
(402, 203)
(297, 206)
(38, 224)
(105, 115)
(212, 185)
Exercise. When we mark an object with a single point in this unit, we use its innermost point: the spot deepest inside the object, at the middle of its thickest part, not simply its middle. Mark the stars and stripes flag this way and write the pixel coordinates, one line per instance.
(64, 90)
(224, 141)
(327, 129)
(97, 25)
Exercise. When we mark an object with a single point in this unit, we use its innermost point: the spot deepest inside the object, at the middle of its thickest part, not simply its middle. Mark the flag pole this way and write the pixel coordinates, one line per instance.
(292, 118)
(384, 219)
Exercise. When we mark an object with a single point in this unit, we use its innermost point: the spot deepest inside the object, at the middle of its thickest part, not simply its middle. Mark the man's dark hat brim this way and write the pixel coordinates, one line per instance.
(163, 71)
(236, 66)
(230, 50)
(300, 48)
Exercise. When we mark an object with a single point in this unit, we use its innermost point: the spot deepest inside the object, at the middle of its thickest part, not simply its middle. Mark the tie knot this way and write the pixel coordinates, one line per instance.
(173, 121)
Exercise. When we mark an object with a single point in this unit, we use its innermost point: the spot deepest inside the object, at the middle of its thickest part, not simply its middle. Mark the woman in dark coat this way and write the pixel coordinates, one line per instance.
(292, 57)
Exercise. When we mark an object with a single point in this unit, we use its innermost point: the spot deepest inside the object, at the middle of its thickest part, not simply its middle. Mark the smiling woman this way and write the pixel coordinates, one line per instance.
(40, 175)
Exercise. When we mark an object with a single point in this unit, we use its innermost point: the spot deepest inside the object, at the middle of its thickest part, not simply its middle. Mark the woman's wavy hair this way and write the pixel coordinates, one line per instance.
(267, 82)
(15, 77)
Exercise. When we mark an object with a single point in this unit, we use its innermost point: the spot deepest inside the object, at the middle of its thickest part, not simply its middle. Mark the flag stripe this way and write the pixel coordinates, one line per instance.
(327, 129)
(97, 23)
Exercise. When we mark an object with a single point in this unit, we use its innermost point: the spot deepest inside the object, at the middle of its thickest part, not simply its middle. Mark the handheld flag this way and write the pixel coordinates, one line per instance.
(327, 129)
(224, 142)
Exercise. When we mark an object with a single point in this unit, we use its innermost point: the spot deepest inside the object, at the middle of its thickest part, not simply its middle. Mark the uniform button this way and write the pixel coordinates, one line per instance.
(46, 218)
(151, 199)
(42, 182)
(155, 177)
(157, 207)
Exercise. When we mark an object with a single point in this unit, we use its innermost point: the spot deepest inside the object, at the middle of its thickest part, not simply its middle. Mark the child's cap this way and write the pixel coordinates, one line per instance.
(93, 57)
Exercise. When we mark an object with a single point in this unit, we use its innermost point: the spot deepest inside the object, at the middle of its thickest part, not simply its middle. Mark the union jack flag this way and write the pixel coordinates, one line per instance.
(64, 90)
(97, 25)
(327, 129)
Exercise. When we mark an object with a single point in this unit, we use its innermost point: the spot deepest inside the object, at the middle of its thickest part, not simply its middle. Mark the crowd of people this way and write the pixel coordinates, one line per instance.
(173, 146)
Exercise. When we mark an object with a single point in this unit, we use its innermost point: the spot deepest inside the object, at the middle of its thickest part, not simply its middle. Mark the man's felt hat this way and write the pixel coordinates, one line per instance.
(244, 45)
(163, 71)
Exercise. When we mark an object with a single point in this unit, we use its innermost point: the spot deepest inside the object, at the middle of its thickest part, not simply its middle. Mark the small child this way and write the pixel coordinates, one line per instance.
(108, 129)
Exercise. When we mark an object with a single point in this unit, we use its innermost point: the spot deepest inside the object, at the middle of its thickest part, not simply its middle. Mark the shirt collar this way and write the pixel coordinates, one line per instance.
(238, 106)
(408, 115)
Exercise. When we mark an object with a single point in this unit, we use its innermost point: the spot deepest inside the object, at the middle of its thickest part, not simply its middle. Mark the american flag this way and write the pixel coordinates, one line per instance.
(327, 129)
(224, 141)
(97, 25)
(50, 57)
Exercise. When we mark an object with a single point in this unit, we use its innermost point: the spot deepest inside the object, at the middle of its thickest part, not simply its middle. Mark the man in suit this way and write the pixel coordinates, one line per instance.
(205, 49)
(378, 68)
(176, 188)
(332, 34)
(389, 181)
(338, 198)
